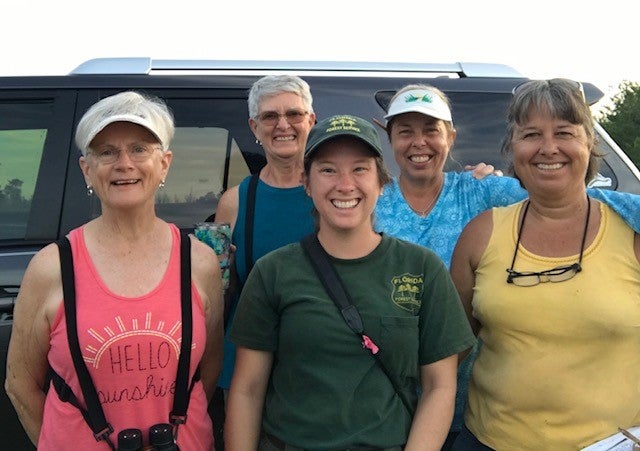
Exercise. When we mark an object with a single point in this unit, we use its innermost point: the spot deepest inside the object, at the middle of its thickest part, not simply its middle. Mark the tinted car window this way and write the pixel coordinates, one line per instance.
(22, 137)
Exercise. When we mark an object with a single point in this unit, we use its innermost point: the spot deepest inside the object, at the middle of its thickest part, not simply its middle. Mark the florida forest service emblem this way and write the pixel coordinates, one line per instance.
(407, 291)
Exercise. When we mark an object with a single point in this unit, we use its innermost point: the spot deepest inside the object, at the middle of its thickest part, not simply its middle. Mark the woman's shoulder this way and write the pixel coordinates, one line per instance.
(227, 208)
(41, 286)
(46, 262)
(481, 221)
(204, 261)
(288, 251)
(477, 232)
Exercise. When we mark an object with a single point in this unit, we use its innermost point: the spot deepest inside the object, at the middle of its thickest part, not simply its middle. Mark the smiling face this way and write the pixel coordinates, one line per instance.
(344, 184)
(125, 183)
(550, 155)
(282, 140)
(421, 144)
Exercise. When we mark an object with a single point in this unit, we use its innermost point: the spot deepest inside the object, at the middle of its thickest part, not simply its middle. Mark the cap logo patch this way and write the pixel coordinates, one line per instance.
(426, 97)
(343, 123)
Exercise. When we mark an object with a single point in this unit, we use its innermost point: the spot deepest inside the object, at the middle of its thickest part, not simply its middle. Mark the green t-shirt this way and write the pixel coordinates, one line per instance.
(325, 390)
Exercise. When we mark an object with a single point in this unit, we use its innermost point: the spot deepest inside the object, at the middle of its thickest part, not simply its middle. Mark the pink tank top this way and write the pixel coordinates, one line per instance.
(131, 348)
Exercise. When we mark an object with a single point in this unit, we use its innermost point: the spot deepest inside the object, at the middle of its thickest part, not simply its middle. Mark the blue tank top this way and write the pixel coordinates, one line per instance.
(281, 216)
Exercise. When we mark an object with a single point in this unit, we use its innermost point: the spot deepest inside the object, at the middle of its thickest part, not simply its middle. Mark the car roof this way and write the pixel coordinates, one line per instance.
(145, 65)
(143, 72)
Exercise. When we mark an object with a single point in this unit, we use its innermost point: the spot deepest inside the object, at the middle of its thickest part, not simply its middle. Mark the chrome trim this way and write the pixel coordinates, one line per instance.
(145, 65)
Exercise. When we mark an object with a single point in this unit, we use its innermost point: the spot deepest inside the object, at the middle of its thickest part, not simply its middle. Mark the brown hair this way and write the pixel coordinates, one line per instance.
(563, 99)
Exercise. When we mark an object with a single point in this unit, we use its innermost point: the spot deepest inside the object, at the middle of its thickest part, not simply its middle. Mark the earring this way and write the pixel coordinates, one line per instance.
(161, 184)
(89, 190)
(258, 142)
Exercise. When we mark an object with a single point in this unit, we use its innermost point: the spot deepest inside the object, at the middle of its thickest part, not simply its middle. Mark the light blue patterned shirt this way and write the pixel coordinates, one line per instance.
(461, 199)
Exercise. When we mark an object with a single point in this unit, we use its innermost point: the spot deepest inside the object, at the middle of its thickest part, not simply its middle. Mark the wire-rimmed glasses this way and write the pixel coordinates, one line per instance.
(292, 116)
(531, 278)
(137, 153)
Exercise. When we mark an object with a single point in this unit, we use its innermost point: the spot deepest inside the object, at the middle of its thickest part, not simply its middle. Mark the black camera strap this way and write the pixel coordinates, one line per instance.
(93, 414)
(336, 289)
(178, 414)
(250, 209)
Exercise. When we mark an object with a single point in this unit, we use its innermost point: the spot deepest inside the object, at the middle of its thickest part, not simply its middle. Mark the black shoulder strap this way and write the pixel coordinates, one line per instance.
(181, 397)
(335, 288)
(94, 414)
(248, 224)
(332, 282)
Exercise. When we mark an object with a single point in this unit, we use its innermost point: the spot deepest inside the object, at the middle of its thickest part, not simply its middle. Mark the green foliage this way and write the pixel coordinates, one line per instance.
(11, 194)
(622, 119)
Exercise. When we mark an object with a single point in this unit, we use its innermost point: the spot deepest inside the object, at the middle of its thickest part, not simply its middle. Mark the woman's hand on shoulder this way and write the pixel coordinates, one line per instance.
(481, 170)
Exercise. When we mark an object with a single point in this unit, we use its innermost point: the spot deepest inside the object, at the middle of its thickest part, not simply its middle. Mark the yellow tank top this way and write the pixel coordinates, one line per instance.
(559, 366)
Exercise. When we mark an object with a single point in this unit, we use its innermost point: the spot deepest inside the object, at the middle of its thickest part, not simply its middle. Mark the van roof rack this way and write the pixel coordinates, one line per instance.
(145, 65)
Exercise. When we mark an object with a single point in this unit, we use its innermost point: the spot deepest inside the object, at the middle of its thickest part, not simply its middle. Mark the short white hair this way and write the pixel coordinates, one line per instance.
(150, 112)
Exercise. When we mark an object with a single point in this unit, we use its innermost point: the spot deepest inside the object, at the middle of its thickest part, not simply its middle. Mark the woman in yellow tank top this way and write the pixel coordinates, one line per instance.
(552, 287)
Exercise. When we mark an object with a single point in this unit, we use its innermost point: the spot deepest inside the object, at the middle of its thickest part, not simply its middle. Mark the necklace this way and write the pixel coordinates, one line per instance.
(427, 209)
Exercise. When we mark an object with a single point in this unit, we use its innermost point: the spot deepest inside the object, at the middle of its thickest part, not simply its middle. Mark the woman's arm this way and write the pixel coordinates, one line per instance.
(243, 421)
(433, 416)
(465, 259)
(227, 209)
(627, 205)
(39, 298)
(206, 275)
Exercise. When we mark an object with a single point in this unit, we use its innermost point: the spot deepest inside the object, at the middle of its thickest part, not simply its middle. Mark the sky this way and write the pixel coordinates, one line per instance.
(539, 38)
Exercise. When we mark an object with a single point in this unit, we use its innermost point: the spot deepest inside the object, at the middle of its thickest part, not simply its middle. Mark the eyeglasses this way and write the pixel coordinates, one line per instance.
(531, 278)
(554, 81)
(557, 274)
(272, 117)
(136, 153)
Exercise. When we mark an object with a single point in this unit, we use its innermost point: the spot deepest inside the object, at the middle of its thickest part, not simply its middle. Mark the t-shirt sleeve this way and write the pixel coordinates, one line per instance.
(444, 328)
(255, 324)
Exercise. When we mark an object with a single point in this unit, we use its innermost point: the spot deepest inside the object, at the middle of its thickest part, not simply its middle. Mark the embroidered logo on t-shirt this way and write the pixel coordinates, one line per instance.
(407, 291)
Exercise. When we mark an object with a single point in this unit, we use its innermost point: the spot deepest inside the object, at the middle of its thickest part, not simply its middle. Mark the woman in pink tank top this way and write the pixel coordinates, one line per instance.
(127, 270)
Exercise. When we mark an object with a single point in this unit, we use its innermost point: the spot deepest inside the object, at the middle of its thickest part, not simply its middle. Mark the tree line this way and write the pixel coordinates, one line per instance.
(621, 119)
(11, 194)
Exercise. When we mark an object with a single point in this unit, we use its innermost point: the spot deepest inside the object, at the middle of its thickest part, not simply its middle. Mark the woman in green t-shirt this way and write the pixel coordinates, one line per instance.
(303, 379)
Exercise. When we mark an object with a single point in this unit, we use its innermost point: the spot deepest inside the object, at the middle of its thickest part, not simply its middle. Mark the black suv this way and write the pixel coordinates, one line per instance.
(42, 191)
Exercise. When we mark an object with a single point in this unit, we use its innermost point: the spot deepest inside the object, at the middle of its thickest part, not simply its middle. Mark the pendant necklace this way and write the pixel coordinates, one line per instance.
(427, 209)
